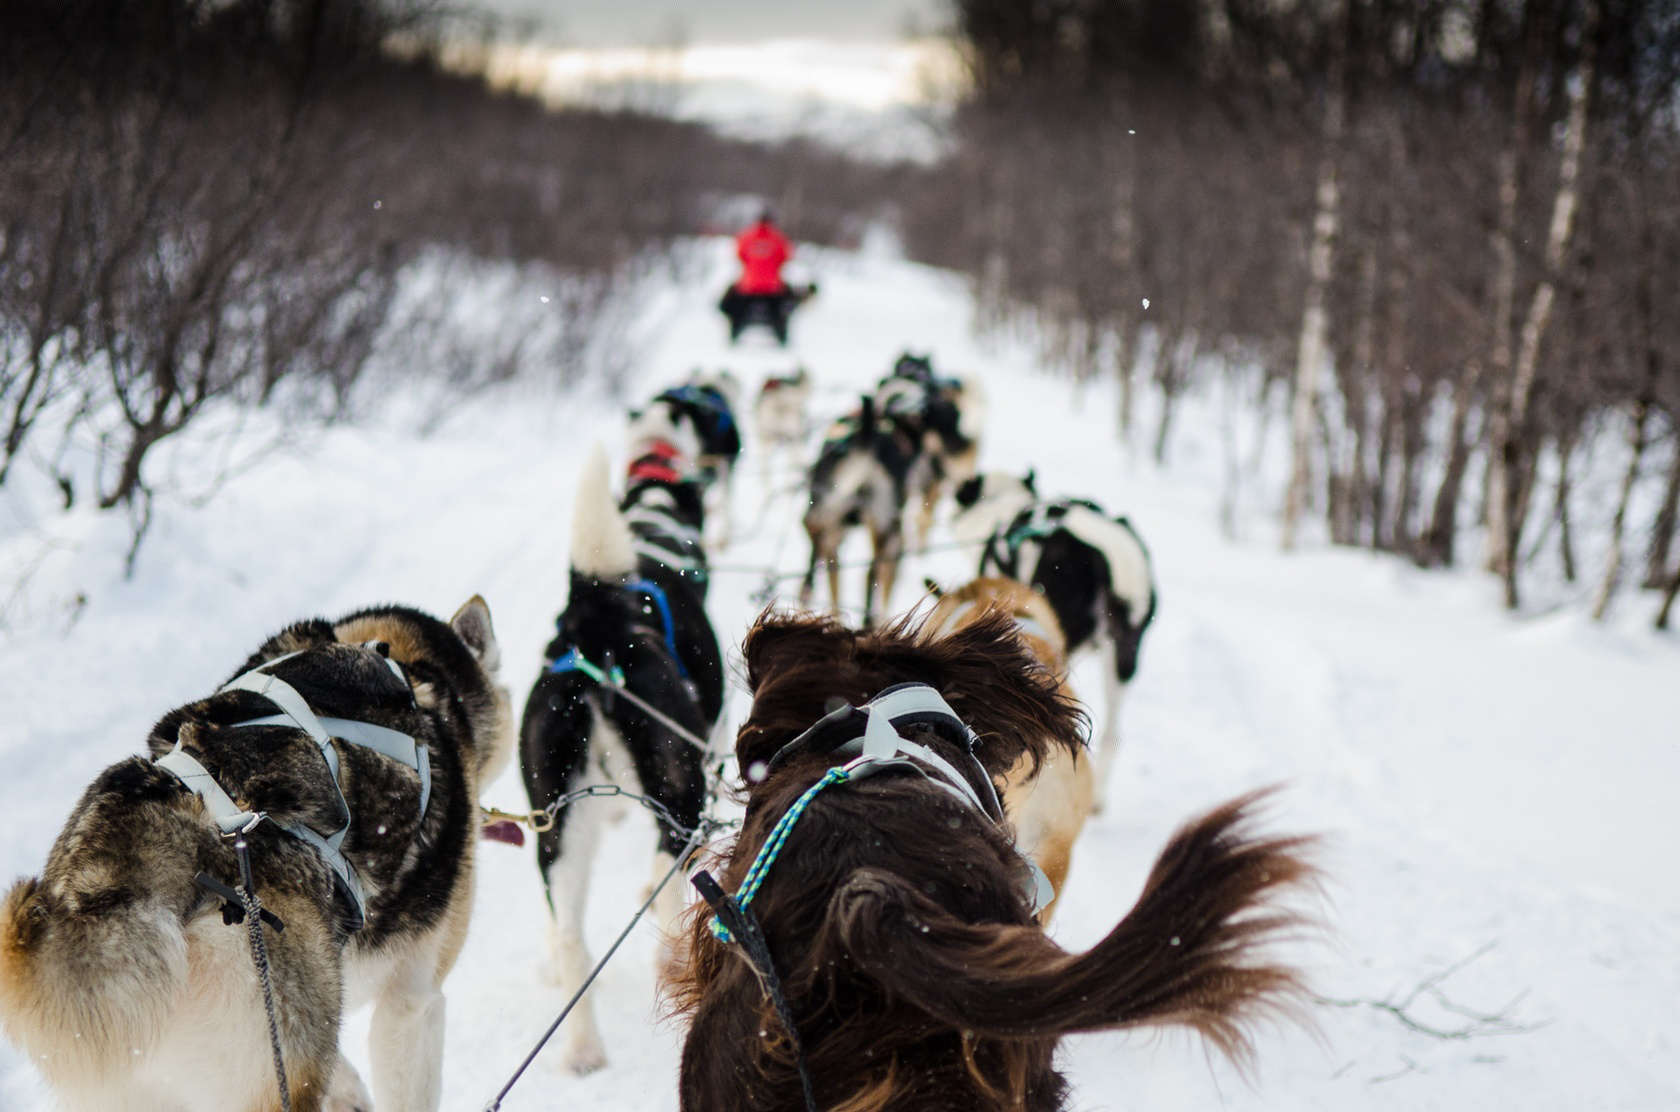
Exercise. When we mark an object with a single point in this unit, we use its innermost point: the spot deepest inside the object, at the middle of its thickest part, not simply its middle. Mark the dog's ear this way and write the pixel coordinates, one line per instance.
(1031, 481)
(779, 642)
(472, 624)
(933, 587)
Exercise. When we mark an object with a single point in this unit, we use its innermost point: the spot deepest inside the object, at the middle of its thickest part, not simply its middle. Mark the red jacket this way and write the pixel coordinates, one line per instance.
(762, 251)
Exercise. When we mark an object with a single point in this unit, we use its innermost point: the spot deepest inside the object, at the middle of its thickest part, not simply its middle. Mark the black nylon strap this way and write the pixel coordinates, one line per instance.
(743, 926)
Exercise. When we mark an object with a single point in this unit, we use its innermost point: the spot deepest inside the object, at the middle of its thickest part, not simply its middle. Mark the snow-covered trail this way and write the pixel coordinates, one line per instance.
(1480, 780)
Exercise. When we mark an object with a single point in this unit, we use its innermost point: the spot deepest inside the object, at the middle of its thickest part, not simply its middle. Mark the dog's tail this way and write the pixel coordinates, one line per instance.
(602, 544)
(87, 981)
(1185, 955)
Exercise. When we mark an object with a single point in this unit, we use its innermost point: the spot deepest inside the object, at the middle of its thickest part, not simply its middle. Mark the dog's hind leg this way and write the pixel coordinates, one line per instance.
(726, 505)
(883, 572)
(568, 896)
(1108, 740)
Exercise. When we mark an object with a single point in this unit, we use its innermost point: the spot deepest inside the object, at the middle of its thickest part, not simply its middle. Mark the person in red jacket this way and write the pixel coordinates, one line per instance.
(763, 251)
(760, 295)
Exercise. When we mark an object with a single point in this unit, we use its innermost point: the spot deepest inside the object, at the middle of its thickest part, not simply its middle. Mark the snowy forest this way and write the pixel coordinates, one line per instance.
(1461, 214)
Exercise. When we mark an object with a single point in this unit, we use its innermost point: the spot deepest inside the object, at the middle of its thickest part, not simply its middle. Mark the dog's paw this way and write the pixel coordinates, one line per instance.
(582, 1056)
(347, 1093)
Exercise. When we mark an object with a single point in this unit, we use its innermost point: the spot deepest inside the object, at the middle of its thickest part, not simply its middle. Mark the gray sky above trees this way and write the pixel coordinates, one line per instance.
(591, 23)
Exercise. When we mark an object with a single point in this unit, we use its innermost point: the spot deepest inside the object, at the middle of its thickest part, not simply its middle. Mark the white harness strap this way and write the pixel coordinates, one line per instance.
(295, 713)
(881, 746)
(229, 817)
(662, 521)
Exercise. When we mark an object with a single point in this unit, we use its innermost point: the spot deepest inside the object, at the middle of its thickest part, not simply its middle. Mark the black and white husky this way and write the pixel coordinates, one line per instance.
(952, 413)
(699, 418)
(1093, 569)
(635, 619)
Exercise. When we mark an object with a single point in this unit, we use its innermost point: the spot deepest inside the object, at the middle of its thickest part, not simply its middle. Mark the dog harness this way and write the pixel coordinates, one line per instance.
(658, 464)
(295, 713)
(708, 400)
(1003, 548)
(870, 736)
(665, 540)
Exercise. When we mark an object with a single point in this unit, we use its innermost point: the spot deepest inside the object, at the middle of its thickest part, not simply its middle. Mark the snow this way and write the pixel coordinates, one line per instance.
(1486, 785)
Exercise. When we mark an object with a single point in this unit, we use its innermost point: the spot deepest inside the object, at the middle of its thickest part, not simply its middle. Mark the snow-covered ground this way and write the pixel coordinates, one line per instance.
(1487, 785)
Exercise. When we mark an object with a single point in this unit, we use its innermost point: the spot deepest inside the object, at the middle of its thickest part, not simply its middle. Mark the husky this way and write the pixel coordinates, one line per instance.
(861, 477)
(952, 412)
(635, 618)
(779, 416)
(351, 754)
(1093, 569)
(1049, 804)
(699, 418)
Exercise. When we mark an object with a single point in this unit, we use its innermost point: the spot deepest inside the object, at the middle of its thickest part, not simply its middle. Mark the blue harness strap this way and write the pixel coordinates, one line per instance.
(575, 661)
(663, 604)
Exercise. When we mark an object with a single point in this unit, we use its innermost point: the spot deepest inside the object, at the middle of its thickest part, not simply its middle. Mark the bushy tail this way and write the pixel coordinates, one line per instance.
(602, 544)
(83, 991)
(1185, 955)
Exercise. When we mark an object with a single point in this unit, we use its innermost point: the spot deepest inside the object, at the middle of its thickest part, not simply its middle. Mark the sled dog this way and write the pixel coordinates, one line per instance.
(896, 911)
(699, 418)
(861, 477)
(357, 748)
(1093, 569)
(635, 617)
(1047, 805)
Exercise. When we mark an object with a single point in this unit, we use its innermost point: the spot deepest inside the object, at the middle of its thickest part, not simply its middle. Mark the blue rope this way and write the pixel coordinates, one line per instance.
(773, 846)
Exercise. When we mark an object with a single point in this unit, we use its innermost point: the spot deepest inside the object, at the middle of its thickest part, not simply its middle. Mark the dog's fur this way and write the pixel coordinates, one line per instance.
(896, 917)
(1048, 807)
(575, 733)
(779, 417)
(861, 478)
(119, 978)
(1093, 569)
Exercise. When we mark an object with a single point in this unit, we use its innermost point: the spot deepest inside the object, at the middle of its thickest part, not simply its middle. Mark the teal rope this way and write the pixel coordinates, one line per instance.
(773, 846)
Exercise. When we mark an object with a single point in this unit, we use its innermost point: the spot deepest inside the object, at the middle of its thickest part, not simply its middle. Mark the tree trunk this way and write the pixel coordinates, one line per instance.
(1669, 592)
(1508, 459)
(1560, 504)
(1662, 532)
(1314, 315)
(1638, 442)
(1435, 547)
(1505, 289)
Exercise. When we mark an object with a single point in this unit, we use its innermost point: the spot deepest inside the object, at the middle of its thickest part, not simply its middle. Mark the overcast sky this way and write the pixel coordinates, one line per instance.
(589, 23)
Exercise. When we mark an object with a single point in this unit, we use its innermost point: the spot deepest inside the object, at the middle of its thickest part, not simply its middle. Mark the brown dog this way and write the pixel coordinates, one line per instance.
(1048, 807)
(894, 912)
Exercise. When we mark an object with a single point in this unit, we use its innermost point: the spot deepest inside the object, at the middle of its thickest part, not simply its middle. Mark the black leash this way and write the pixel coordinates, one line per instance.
(743, 925)
(694, 841)
(254, 917)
